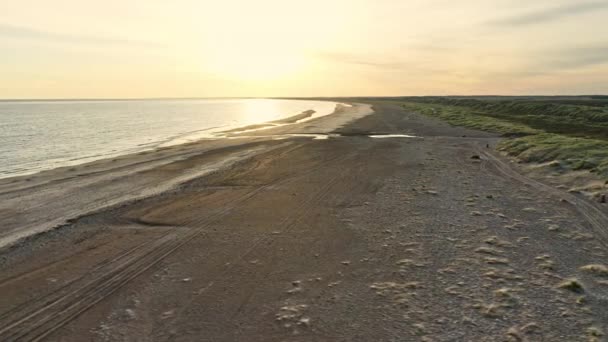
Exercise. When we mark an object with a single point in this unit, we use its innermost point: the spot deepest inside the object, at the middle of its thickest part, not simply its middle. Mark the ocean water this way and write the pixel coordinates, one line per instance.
(42, 135)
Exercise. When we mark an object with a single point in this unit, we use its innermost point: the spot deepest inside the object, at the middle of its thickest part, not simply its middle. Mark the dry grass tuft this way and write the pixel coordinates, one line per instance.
(572, 285)
(597, 269)
(595, 334)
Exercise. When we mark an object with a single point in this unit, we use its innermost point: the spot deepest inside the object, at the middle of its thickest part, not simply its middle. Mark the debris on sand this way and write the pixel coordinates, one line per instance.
(515, 334)
(292, 317)
(520, 333)
(130, 314)
(506, 297)
(449, 270)
(490, 310)
(389, 285)
(503, 300)
(296, 287)
(476, 213)
(514, 226)
(596, 269)
(509, 274)
(410, 263)
(399, 293)
(304, 321)
(496, 261)
(167, 314)
(420, 329)
(487, 250)
(545, 262)
(495, 241)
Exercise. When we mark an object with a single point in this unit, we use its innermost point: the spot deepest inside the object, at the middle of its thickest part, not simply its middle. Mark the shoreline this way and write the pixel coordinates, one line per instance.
(179, 138)
(96, 175)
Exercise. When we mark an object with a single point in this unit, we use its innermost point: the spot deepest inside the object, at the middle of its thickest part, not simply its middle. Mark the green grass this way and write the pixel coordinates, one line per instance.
(574, 137)
(459, 116)
(570, 152)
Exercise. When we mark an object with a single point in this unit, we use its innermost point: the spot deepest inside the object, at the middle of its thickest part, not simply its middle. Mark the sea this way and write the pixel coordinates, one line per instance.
(42, 135)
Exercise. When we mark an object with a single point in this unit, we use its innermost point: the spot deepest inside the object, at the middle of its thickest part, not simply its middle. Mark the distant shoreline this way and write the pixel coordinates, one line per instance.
(110, 181)
(132, 136)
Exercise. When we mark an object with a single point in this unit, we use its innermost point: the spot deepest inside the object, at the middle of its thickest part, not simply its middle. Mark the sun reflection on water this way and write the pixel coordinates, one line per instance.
(260, 110)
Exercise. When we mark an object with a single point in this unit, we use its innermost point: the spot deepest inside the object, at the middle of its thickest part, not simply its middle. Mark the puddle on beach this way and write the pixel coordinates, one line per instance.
(318, 136)
(313, 136)
(384, 136)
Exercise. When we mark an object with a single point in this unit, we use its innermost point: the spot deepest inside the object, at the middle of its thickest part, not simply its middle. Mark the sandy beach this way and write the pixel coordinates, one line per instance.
(309, 231)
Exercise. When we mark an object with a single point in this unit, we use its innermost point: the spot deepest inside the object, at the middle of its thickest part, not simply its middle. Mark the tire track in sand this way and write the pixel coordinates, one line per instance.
(591, 213)
(287, 223)
(37, 319)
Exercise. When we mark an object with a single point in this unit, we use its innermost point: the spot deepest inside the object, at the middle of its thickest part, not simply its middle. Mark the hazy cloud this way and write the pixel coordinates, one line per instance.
(395, 66)
(555, 61)
(25, 33)
(551, 14)
(347, 58)
(579, 57)
(375, 47)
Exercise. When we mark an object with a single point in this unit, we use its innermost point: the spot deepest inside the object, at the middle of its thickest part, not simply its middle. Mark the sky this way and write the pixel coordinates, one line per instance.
(273, 48)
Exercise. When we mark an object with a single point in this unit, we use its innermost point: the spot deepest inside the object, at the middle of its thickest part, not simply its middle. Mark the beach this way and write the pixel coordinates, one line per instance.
(41, 135)
(320, 230)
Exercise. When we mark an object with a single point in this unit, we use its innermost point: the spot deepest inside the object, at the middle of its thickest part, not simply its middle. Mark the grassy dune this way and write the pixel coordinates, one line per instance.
(567, 131)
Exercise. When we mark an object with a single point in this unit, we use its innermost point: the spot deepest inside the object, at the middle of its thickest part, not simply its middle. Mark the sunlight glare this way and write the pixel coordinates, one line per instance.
(259, 110)
(255, 63)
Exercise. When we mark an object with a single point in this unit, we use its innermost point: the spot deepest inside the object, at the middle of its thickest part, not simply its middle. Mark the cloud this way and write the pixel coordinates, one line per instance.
(551, 14)
(347, 58)
(552, 62)
(572, 58)
(25, 33)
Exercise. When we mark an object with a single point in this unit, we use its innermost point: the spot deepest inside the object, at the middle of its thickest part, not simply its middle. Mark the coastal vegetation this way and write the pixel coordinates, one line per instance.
(567, 132)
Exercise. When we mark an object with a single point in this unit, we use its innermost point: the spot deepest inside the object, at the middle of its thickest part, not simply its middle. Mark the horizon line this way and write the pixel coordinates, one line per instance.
(276, 97)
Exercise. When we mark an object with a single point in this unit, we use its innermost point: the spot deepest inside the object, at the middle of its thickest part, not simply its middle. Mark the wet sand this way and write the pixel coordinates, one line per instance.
(276, 236)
